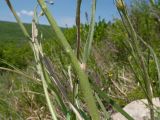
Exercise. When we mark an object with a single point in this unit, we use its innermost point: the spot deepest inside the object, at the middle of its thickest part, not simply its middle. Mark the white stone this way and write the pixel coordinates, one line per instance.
(137, 109)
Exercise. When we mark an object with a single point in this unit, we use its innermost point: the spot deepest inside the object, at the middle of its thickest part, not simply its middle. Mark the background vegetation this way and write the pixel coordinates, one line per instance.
(111, 67)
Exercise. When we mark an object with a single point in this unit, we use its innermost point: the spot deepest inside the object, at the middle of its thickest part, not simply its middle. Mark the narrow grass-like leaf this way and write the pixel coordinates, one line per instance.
(51, 107)
(87, 48)
(112, 103)
(156, 60)
(76, 112)
(106, 114)
(19, 73)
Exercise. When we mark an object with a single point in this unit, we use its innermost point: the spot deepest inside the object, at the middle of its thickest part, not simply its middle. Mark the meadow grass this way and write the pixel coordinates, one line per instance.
(84, 98)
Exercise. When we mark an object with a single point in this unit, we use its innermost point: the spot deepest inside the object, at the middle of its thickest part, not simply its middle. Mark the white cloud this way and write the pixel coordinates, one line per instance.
(18, 13)
(25, 13)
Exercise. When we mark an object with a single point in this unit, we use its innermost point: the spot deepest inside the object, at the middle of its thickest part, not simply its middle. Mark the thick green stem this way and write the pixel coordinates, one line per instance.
(84, 83)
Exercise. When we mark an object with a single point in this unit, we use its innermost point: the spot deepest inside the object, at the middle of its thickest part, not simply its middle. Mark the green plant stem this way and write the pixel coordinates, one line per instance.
(26, 34)
(45, 86)
(154, 57)
(78, 24)
(152, 2)
(84, 83)
(87, 48)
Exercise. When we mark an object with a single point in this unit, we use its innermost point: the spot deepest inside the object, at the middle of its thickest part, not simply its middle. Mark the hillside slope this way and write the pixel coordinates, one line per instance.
(12, 31)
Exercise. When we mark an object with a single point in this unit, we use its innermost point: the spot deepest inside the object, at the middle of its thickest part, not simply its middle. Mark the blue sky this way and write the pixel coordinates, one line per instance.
(62, 10)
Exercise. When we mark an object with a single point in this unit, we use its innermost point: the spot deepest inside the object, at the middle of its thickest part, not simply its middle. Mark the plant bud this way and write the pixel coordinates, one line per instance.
(120, 5)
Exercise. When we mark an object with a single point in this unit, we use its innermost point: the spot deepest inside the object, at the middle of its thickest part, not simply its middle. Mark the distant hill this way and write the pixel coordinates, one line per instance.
(10, 31)
(14, 48)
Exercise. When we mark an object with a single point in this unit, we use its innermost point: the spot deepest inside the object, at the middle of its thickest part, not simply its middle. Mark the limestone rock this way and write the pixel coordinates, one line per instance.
(137, 109)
